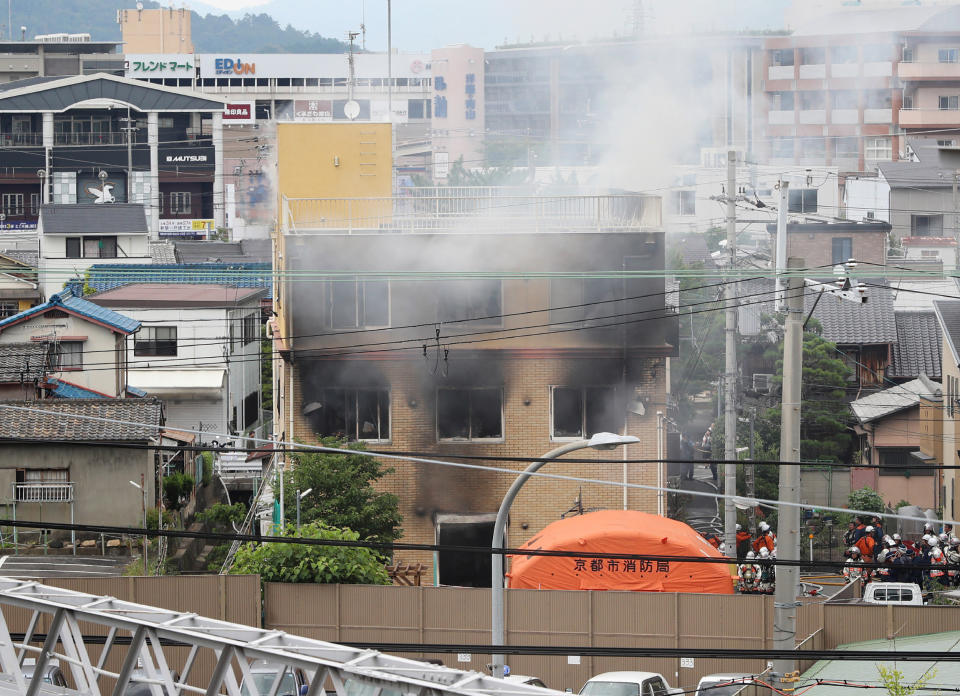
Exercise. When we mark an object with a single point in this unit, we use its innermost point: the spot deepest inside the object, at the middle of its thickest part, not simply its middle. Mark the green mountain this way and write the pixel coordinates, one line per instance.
(252, 33)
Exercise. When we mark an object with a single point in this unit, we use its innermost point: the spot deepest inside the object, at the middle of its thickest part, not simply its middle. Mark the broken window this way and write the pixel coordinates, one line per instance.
(353, 414)
(479, 301)
(355, 304)
(584, 411)
(469, 414)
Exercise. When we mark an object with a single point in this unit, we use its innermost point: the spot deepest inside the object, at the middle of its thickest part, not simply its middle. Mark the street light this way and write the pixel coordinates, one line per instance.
(301, 496)
(143, 492)
(600, 441)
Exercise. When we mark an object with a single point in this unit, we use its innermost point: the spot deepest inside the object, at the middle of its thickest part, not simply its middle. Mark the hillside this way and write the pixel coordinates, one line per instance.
(253, 33)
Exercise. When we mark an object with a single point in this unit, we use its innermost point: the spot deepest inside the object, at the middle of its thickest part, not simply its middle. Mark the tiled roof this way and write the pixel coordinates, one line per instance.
(692, 248)
(163, 252)
(918, 347)
(68, 390)
(894, 399)
(948, 315)
(23, 361)
(67, 300)
(52, 420)
(116, 218)
(29, 257)
(106, 276)
(246, 250)
(851, 323)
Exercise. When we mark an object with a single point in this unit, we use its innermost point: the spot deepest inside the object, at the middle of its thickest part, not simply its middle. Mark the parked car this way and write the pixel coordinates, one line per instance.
(723, 684)
(51, 672)
(892, 593)
(263, 674)
(628, 684)
(523, 679)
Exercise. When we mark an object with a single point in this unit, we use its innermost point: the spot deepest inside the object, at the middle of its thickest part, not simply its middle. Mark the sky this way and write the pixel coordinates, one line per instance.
(419, 25)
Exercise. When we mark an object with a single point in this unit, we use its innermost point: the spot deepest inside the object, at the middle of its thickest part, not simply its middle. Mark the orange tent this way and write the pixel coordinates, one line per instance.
(627, 532)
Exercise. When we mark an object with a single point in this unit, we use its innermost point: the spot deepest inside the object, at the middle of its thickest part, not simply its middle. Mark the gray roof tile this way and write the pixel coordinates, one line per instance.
(51, 420)
(849, 323)
(80, 218)
(918, 347)
(948, 314)
(23, 361)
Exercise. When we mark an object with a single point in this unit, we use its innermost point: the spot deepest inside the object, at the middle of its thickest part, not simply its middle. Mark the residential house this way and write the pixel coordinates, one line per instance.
(948, 315)
(900, 432)
(24, 368)
(74, 237)
(198, 349)
(19, 288)
(89, 344)
(822, 245)
(64, 460)
(477, 336)
(918, 349)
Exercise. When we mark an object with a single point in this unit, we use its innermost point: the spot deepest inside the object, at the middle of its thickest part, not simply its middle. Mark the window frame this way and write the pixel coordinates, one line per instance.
(360, 288)
(930, 226)
(76, 359)
(470, 391)
(803, 195)
(845, 241)
(354, 393)
(948, 102)
(907, 470)
(684, 203)
(81, 246)
(584, 417)
(952, 55)
(181, 203)
(11, 204)
(152, 346)
(461, 294)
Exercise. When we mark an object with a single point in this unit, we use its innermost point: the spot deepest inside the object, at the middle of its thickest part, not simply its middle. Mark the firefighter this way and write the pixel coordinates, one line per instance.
(852, 569)
(767, 539)
(937, 560)
(743, 543)
(867, 545)
(748, 575)
(767, 572)
(885, 556)
(952, 555)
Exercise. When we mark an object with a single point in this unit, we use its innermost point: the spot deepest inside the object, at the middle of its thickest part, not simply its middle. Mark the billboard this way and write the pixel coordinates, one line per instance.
(309, 65)
(92, 189)
(185, 228)
(312, 110)
(240, 112)
(160, 65)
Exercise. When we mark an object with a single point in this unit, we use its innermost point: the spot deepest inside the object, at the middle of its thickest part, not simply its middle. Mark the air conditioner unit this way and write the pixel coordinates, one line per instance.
(762, 382)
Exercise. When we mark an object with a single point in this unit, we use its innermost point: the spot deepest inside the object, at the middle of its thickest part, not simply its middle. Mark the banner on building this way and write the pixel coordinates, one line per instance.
(93, 189)
(312, 110)
(160, 65)
(14, 226)
(240, 112)
(185, 228)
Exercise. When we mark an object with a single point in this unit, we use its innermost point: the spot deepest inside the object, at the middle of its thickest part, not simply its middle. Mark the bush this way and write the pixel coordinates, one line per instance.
(207, 468)
(216, 557)
(177, 488)
(865, 499)
(280, 562)
(153, 514)
(223, 516)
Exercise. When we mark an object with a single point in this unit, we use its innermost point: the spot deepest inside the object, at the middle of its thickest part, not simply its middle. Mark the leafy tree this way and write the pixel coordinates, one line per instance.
(284, 562)
(266, 370)
(865, 499)
(177, 488)
(343, 494)
(896, 685)
(222, 516)
(506, 175)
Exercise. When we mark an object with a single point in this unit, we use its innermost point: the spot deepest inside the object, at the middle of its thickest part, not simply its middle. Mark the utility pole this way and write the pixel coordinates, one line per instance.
(750, 476)
(730, 373)
(129, 128)
(788, 514)
(781, 256)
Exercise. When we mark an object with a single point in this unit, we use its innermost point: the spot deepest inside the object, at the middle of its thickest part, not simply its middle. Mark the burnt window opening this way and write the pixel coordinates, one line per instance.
(470, 414)
(251, 409)
(355, 304)
(479, 301)
(462, 568)
(352, 414)
(577, 299)
(581, 412)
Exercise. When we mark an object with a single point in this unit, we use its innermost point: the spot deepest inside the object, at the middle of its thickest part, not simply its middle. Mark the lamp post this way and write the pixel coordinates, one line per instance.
(301, 496)
(143, 498)
(600, 441)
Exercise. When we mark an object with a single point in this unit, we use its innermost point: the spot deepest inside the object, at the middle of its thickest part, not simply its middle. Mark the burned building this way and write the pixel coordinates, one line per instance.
(457, 336)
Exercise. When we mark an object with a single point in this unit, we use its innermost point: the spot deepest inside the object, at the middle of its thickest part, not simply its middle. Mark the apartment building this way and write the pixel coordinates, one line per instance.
(841, 90)
(58, 55)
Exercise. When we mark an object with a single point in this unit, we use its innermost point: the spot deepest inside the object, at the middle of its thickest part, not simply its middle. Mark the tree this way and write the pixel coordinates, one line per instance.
(343, 494)
(285, 562)
(177, 488)
(895, 684)
(865, 499)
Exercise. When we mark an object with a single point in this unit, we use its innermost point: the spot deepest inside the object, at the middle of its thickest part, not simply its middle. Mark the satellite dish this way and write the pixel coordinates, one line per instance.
(351, 109)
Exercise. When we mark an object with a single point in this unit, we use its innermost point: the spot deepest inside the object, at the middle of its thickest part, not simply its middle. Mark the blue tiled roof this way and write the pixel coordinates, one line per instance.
(72, 391)
(78, 305)
(107, 276)
(135, 391)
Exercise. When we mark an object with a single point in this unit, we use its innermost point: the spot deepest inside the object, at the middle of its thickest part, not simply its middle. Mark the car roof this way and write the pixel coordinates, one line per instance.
(624, 676)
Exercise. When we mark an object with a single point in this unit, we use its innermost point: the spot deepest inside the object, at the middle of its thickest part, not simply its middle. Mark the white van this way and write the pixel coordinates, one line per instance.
(892, 593)
(628, 684)
(723, 684)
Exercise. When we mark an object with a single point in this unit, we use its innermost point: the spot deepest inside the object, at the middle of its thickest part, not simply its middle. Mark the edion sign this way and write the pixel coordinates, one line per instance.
(239, 112)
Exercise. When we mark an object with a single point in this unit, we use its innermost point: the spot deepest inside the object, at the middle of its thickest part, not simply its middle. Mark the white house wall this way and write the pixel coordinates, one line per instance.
(867, 197)
(56, 269)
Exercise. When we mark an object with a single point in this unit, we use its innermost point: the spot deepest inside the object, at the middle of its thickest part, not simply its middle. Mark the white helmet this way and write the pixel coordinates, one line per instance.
(751, 554)
(868, 529)
(934, 541)
(764, 527)
(928, 525)
(891, 542)
(926, 538)
(954, 541)
(887, 538)
(897, 537)
(763, 552)
(739, 527)
(936, 553)
(943, 537)
(722, 548)
(854, 550)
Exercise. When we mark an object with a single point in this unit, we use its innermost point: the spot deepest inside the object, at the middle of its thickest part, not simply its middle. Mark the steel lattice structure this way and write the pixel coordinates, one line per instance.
(141, 633)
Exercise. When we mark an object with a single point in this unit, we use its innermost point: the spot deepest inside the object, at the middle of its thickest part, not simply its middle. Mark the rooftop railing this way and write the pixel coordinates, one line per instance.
(43, 492)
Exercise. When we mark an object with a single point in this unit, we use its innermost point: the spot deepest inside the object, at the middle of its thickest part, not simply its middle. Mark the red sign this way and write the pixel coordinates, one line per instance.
(239, 112)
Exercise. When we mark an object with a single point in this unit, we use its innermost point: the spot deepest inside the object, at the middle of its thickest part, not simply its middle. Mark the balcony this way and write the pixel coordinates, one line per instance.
(813, 116)
(18, 139)
(43, 492)
(882, 68)
(813, 72)
(844, 116)
(928, 71)
(471, 210)
(915, 118)
(878, 115)
(781, 118)
(844, 70)
(780, 72)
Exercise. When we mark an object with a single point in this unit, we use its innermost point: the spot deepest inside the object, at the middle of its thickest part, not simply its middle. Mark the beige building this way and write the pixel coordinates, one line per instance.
(458, 107)
(948, 314)
(156, 31)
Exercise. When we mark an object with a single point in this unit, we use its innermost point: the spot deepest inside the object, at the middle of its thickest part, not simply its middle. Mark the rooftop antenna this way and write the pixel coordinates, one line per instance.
(363, 25)
(351, 36)
(638, 20)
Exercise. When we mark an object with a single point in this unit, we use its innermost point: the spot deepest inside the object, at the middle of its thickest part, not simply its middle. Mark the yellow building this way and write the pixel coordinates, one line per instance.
(156, 31)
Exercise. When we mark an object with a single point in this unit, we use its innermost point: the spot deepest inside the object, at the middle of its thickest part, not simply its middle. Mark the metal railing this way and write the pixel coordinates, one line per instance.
(476, 211)
(13, 139)
(43, 492)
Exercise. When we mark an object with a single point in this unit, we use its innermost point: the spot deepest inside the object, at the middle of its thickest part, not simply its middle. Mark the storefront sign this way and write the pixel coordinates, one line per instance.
(185, 228)
(7, 226)
(311, 65)
(240, 112)
(234, 66)
(93, 189)
(312, 110)
(196, 156)
(150, 65)
(184, 159)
